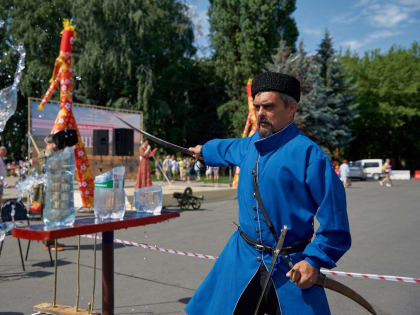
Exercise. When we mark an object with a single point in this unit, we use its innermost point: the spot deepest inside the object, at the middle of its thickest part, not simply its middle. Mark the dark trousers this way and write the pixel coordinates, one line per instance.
(249, 298)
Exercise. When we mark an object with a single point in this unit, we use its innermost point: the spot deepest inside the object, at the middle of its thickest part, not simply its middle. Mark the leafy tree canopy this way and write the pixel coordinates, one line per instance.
(388, 91)
(244, 35)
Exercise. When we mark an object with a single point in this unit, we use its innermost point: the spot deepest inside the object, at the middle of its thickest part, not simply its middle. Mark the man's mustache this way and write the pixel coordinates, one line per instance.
(263, 120)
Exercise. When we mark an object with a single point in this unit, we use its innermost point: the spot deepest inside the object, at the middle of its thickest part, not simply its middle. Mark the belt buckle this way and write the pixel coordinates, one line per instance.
(259, 247)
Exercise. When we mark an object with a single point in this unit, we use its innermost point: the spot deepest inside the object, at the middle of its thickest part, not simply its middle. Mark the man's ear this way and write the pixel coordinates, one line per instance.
(293, 108)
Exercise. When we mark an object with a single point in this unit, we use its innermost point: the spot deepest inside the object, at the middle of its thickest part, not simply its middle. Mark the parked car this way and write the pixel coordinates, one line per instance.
(371, 167)
(356, 171)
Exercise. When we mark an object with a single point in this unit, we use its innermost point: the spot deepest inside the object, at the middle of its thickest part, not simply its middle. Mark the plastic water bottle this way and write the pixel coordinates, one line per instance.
(109, 196)
(119, 193)
(59, 203)
(148, 199)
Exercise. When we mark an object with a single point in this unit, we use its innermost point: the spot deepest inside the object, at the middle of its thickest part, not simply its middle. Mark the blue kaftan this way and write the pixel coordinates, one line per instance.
(296, 182)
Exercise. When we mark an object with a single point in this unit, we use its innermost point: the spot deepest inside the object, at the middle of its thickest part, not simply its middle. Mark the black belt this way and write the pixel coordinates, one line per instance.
(295, 247)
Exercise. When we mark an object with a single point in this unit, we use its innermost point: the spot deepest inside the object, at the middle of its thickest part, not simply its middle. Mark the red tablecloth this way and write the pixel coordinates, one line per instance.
(90, 225)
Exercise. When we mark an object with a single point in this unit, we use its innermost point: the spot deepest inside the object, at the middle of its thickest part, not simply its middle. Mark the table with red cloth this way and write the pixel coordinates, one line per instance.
(91, 225)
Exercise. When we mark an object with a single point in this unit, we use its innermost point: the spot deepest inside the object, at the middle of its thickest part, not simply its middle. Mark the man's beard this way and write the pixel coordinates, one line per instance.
(266, 132)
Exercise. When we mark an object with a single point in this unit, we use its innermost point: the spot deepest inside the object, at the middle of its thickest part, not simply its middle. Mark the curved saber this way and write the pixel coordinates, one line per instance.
(338, 287)
(328, 283)
(158, 140)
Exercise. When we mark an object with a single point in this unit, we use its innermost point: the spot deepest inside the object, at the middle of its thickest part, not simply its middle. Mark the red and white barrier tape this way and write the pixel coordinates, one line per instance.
(371, 276)
(163, 250)
(324, 271)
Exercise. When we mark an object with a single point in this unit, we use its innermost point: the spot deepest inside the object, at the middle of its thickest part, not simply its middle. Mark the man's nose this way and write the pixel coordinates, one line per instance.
(262, 113)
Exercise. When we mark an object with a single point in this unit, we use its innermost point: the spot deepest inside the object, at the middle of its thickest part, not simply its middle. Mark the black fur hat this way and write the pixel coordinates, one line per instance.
(273, 81)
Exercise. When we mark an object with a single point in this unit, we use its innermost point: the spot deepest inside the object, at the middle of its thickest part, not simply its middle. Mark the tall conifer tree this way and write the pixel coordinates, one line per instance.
(340, 98)
(324, 53)
(312, 116)
(325, 110)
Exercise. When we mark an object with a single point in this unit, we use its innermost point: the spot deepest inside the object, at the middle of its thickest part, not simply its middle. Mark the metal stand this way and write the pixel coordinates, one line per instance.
(108, 273)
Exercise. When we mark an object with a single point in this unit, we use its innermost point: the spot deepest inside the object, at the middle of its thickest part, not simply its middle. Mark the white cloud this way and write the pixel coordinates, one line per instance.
(346, 18)
(353, 44)
(201, 29)
(415, 4)
(389, 15)
(362, 3)
(389, 18)
(311, 31)
(356, 44)
(383, 34)
(200, 21)
(412, 21)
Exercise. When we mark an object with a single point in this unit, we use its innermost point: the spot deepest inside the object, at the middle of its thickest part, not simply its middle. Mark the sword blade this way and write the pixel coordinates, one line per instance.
(273, 263)
(158, 140)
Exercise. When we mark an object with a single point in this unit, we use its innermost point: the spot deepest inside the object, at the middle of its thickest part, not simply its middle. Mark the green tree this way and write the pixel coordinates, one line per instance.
(244, 35)
(205, 95)
(340, 97)
(314, 116)
(342, 101)
(324, 53)
(388, 91)
(136, 54)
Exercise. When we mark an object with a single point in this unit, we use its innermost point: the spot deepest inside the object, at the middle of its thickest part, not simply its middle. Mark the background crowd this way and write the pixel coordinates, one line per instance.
(182, 168)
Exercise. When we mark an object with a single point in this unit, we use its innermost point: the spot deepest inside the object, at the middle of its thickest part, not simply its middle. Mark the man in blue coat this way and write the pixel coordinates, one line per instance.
(296, 182)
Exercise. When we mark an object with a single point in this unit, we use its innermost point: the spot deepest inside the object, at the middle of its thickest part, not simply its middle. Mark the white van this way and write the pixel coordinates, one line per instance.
(371, 167)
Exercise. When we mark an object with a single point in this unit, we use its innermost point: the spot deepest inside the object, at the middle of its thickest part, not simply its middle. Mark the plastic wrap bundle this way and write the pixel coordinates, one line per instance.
(5, 228)
(8, 95)
(59, 204)
(148, 199)
(109, 196)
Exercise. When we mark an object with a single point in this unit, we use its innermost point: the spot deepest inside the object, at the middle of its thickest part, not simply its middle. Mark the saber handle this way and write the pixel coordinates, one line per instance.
(295, 276)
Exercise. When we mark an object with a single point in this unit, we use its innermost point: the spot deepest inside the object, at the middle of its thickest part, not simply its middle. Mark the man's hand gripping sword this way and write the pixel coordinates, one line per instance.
(328, 283)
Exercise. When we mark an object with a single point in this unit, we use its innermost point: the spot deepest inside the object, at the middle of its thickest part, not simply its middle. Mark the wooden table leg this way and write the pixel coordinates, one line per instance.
(108, 273)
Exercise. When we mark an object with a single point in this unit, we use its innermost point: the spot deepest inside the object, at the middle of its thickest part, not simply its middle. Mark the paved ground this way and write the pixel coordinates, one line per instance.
(384, 223)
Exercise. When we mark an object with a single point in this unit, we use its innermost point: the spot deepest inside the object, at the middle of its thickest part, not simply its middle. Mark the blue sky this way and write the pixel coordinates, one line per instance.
(361, 25)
